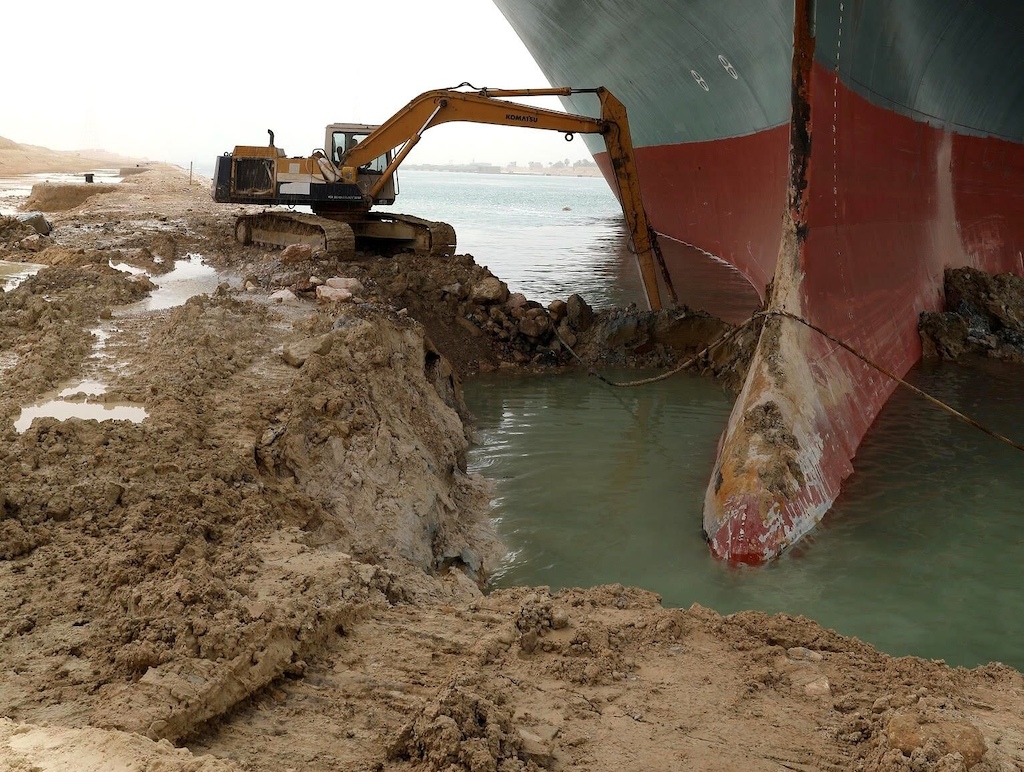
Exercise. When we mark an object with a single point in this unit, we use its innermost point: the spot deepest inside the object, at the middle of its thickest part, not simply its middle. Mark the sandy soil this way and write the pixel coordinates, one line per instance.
(278, 568)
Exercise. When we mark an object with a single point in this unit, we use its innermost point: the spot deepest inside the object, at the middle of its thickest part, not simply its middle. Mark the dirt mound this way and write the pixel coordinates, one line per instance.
(183, 540)
(29, 747)
(45, 324)
(984, 316)
(12, 230)
(17, 158)
(462, 730)
(57, 197)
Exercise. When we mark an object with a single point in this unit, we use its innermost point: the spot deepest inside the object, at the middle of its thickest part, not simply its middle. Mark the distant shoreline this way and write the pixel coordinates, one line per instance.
(570, 171)
(583, 171)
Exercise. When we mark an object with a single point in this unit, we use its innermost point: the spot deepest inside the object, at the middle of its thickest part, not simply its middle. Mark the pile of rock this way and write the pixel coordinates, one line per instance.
(478, 324)
(29, 232)
(529, 331)
(984, 316)
(526, 332)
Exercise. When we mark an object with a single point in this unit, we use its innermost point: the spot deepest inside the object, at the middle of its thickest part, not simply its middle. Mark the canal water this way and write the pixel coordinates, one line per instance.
(920, 555)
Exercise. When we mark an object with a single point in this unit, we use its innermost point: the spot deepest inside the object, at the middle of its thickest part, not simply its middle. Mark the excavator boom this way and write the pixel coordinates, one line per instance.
(358, 185)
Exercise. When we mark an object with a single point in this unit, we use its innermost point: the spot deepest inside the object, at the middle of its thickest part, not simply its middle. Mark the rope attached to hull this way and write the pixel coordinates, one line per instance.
(728, 334)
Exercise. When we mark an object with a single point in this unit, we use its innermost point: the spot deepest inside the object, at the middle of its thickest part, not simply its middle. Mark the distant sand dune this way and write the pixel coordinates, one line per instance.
(17, 158)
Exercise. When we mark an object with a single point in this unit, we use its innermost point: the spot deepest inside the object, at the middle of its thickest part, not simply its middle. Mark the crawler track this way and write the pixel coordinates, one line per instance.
(282, 229)
(376, 232)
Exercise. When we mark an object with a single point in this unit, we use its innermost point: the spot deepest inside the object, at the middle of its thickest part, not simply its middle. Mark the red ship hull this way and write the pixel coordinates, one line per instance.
(913, 201)
(840, 155)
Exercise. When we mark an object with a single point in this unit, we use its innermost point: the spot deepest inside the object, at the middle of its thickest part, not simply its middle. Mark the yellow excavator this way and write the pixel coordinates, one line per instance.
(356, 171)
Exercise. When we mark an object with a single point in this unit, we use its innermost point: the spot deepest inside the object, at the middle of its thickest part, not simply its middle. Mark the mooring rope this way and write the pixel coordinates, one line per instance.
(934, 400)
(726, 335)
(764, 314)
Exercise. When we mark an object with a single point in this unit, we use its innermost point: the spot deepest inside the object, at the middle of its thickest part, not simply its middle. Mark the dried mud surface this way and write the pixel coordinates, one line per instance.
(278, 568)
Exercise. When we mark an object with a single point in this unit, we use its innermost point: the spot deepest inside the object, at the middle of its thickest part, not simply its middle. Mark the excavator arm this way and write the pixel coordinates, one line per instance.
(432, 108)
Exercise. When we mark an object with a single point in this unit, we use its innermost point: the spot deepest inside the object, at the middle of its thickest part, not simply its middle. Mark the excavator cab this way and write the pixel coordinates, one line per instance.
(341, 138)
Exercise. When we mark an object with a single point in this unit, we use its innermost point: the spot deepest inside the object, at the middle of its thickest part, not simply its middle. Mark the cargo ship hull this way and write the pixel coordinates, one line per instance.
(839, 155)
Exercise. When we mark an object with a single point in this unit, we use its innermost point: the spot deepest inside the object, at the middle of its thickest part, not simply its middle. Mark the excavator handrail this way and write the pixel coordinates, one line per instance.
(488, 106)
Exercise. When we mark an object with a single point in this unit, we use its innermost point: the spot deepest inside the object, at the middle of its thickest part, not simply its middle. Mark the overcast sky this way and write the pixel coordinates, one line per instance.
(186, 81)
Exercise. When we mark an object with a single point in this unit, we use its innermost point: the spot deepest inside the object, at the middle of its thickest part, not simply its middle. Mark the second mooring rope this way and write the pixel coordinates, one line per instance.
(728, 334)
(934, 400)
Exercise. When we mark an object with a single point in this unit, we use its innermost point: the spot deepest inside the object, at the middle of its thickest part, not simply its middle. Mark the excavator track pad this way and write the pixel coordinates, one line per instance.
(436, 239)
(282, 229)
(373, 232)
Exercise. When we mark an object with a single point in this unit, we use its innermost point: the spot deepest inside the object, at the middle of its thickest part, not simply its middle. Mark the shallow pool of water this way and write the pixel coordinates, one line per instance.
(188, 278)
(62, 408)
(13, 274)
(920, 555)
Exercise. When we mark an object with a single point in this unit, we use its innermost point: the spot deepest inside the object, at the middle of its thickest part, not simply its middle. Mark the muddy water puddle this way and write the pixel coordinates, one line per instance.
(79, 401)
(13, 274)
(84, 399)
(102, 335)
(188, 278)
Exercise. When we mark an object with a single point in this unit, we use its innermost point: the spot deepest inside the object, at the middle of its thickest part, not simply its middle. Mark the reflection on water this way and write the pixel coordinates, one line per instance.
(13, 274)
(546, 237)
(596, 484)
(89, 388)
(921, 554)
(70, 402)
(188, 278)
(705, 282)
(62, 410)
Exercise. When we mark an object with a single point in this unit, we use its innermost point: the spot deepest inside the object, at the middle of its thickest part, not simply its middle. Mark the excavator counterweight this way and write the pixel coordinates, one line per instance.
(355, 171)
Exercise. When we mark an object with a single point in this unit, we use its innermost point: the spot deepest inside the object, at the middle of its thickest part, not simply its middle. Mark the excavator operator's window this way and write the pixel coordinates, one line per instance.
(337, 146)
(379, 164)
(344, 141)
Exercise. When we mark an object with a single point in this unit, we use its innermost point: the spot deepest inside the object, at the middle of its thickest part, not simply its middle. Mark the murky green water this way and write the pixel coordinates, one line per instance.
(921, 555)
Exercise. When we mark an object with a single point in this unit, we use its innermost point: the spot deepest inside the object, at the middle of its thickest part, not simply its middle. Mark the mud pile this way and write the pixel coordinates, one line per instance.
(202, 553)
(984, 316)
(57, 197)
(13, 230)
(479, 326)
(278, 567)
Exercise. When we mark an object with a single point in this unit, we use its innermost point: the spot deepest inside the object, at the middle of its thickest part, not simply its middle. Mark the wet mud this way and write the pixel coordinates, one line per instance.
(983, 316)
